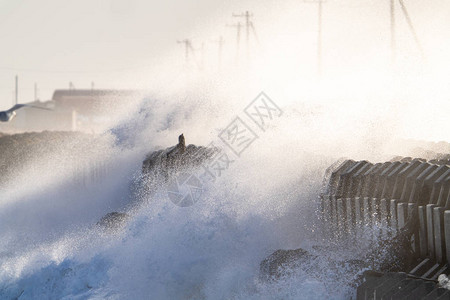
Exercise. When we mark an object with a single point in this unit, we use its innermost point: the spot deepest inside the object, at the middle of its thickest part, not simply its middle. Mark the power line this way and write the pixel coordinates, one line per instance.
(393, 30)
(248, 26)
(30, 70)
(411, 28)
(247, 16)
(393, 45)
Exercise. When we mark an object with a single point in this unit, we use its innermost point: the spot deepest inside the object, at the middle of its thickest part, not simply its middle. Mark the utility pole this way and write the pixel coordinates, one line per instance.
(393, 45)
(247, 16)
(238, 39)
(189, 49)
(17, 90)
(319, 40)
(248, 26)
(319, 34)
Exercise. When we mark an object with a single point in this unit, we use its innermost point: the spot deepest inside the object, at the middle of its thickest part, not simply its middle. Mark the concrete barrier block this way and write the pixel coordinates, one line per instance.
(430, 230)
(358, 204)
(444, 193)
(400, 181)
(419, 184)
(341, 216)
(384, 217)
(330, 175)
(435, 294)
(437, 185)
(423, 241)
(381, 180)
(413, 220)
(393, 214)
(395, 289)
(355, 180)
(402, 214)
(372, 179)
(365, 178)
(376, 219)
(438, 229)
(406, 291)
(367, 208)
(335, 176)
(391, 178)
(422, 290)
(333, 209)
(359, 217)
(411, 179)
(350, 215)
(326, 215)
(424, 195)
(325, 207)
(363, 293)
(447, 234)
(391, 281)
(345, 178)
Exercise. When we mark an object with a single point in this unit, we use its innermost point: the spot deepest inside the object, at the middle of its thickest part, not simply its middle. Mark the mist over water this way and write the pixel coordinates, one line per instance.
(265, 201)
(50, 246)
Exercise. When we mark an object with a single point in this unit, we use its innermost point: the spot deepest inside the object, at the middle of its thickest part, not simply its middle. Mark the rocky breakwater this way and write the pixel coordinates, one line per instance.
(162, 167)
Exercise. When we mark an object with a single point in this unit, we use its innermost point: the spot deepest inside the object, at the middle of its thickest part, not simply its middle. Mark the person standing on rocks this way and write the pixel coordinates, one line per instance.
(181, 144)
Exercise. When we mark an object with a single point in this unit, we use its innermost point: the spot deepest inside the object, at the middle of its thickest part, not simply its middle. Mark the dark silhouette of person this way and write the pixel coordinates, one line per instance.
(181, 143)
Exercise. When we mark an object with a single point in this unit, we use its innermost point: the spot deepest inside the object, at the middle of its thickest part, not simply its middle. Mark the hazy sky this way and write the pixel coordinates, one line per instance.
(117, 43)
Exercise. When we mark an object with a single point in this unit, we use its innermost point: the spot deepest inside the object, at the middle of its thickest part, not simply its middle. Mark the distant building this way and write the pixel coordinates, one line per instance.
(72, 110)
(89, 101)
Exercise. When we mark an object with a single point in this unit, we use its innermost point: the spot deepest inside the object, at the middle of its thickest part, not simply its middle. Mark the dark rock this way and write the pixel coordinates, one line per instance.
(113, 220)
(287, 263)
(395, 254)
(181, 143)
(162, 165)
(390, 255)
(281, 262)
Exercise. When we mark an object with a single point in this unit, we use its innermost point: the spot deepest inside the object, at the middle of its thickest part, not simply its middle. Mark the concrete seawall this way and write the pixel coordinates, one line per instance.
(403, 196)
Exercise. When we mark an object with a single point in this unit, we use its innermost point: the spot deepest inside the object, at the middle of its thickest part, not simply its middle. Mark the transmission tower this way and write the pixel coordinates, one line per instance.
(248, 27)
(190, 51)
